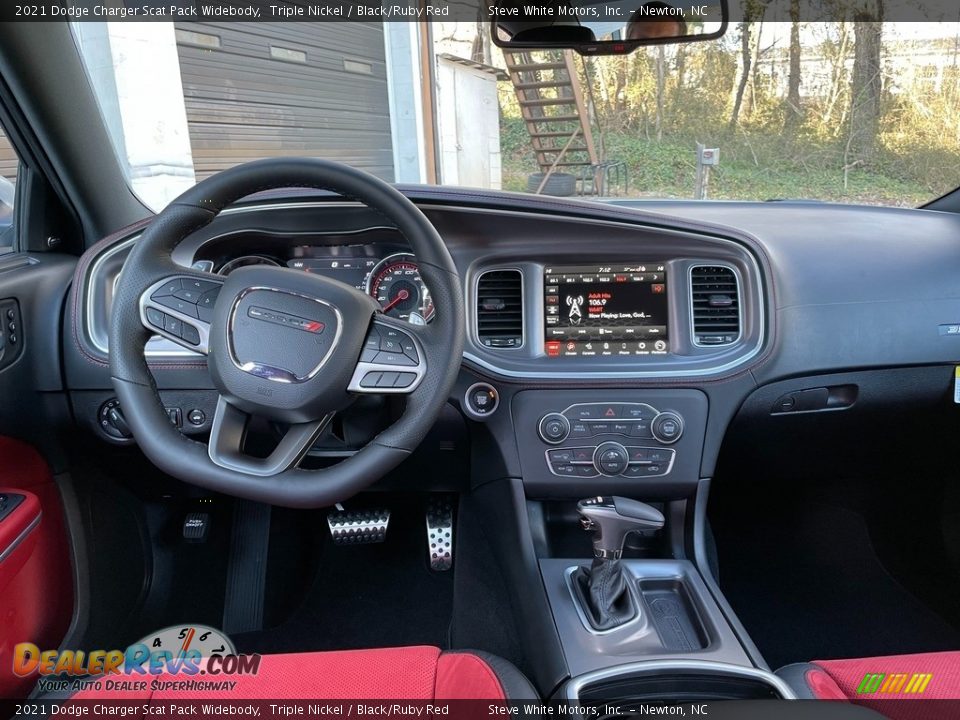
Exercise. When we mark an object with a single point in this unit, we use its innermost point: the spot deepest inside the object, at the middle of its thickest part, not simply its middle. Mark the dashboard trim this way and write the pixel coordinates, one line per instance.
(474, 354)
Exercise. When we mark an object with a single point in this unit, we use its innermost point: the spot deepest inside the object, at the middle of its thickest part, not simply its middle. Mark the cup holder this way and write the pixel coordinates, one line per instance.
(673, 682)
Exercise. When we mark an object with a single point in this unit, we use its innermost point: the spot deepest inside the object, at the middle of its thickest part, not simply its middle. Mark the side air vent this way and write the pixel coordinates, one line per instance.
(500, 309)
(715, 299)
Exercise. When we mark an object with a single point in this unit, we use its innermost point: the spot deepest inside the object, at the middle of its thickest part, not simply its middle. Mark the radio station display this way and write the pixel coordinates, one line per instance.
(605, 310)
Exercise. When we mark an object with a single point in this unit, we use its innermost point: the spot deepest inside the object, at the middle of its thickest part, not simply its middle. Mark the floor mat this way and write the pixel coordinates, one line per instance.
(808, 585)
(366, 596)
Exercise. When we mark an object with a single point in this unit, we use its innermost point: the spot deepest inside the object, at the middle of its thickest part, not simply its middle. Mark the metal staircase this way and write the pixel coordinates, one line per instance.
(553, 108)
(557, 117)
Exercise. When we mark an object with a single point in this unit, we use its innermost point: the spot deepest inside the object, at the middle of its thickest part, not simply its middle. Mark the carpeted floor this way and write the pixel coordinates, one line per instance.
(380, 595)
(807, 583)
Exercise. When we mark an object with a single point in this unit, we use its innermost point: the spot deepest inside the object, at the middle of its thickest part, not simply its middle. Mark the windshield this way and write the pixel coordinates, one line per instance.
(843, 112)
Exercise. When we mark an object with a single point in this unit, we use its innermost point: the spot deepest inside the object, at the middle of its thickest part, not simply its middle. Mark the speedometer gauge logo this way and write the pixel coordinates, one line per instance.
(183, 639)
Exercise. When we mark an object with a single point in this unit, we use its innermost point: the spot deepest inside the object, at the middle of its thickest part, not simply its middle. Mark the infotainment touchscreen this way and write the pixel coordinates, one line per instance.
(605, 310)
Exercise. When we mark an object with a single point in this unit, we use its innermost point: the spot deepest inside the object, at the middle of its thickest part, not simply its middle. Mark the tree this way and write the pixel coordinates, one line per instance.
(752, 11)
(866, 85)
(793, 112)
(661, 89)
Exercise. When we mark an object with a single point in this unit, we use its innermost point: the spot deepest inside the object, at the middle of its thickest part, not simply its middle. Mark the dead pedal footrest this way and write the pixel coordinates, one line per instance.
(440, 533)
(358, 527)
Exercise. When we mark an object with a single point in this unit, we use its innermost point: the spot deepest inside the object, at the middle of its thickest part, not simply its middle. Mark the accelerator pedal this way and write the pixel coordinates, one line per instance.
(358, 527)
(440, 532)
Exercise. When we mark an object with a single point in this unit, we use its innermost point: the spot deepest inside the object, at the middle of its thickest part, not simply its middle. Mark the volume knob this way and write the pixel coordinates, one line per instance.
(667, 427)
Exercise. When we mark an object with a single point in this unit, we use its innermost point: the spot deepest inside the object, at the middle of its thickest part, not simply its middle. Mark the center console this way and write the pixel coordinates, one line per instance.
(636, 617)
(646, 628)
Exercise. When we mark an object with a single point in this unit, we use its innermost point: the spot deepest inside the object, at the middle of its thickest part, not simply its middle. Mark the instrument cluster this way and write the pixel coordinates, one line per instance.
(392, 279)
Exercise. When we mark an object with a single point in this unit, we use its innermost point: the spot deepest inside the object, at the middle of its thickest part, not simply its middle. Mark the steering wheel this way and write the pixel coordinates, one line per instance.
(281, 344)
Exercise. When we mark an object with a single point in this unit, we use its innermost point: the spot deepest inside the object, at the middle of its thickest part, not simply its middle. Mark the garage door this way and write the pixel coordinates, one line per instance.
(267, 89)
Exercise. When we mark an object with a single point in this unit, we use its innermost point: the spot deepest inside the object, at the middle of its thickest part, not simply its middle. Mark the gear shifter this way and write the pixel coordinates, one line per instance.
(602, 589)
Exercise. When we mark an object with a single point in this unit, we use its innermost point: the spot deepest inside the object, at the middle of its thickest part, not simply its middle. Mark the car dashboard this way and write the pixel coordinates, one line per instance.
(676, 310)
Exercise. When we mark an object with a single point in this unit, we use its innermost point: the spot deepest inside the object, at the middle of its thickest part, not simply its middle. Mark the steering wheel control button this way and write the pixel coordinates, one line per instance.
(200, 286)
(388, 351)
(394, 358)
(155, 318)
(186, 300)
(405, 379)
(667, 427)
(481, 400)
(188, 295)
(390, 340)
(169, 288)
(611, 458)
(174, 303)
(553, 428)
(172, 325)
(409, 348)
(371, 379)
(206, 303)
(190, 334)
(196, 417)
(387, 379)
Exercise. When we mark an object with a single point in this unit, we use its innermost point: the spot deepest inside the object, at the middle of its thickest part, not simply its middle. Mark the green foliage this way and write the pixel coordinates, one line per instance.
(917, 148)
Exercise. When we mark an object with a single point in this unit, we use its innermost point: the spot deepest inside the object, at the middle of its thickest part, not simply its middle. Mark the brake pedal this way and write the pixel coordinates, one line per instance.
(440, 532)
(358, 527)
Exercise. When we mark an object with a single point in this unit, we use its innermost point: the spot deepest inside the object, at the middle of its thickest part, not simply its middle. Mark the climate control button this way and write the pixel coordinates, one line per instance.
(553, 428)
(611, 458)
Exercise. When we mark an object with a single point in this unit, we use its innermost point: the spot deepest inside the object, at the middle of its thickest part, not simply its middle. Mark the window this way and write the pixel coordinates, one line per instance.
(8, 179)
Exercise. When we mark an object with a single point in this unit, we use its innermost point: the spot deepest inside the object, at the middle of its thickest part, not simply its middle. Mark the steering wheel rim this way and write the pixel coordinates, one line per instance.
(150, 264)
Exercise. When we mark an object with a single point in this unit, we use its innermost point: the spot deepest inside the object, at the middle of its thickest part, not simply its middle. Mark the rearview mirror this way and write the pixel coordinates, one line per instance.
(605, 27)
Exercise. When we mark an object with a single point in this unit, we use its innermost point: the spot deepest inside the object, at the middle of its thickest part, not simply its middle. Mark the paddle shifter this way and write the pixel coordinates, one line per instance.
(603, 589)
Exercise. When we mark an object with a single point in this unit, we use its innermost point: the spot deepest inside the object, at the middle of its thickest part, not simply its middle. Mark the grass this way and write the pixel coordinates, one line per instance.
(755, 167)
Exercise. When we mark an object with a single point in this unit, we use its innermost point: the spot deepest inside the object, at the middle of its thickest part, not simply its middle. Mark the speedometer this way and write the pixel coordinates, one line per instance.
(395, 283)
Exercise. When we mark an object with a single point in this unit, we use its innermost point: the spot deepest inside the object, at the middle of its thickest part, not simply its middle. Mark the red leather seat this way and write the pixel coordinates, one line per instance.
(408, 673)
(878, 681)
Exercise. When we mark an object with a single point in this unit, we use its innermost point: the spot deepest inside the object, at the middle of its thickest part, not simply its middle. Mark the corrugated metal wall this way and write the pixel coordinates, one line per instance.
(8, 159)
(267, 89)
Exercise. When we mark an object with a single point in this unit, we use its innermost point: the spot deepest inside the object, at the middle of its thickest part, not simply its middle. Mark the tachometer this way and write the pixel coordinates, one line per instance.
(395, 283)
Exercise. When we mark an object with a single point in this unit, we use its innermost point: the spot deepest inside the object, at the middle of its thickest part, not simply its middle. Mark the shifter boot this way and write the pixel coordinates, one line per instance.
(603, 593)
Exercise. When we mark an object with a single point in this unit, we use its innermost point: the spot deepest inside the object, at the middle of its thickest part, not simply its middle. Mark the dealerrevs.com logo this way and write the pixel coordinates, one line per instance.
(182, 657)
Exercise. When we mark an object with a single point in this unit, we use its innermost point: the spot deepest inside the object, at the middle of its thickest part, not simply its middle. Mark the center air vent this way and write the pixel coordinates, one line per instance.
(716, 305)
(500, 309)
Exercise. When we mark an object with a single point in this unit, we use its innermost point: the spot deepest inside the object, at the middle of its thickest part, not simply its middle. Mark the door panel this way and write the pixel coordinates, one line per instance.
(36, 576)
(36, 593)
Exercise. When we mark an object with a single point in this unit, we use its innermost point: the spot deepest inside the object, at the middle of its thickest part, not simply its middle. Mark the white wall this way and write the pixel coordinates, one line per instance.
(469, 126)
